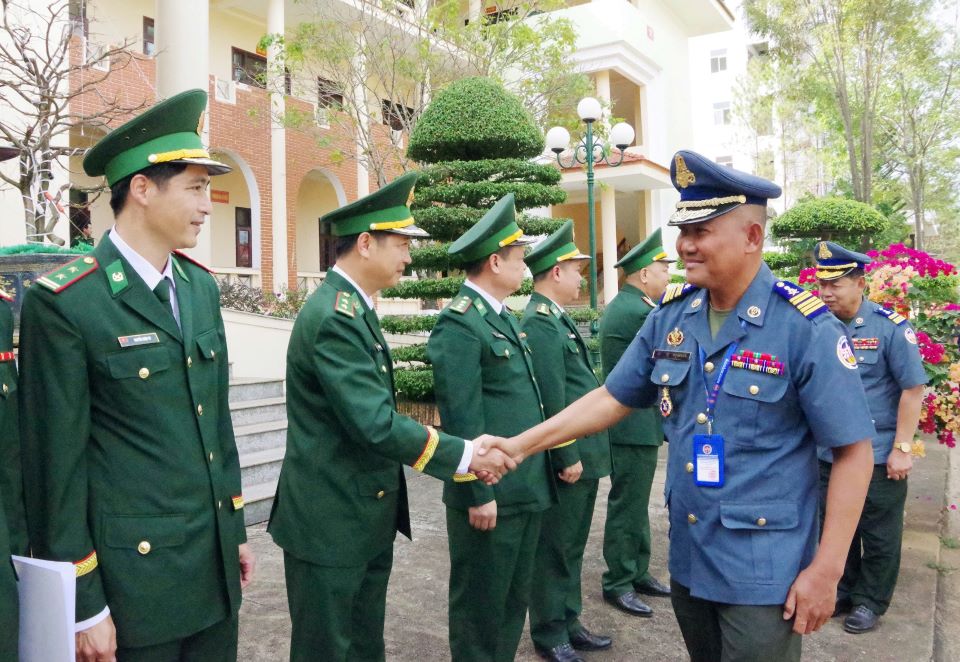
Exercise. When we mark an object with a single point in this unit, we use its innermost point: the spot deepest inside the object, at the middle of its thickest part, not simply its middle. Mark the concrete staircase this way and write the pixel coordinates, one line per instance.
(258, 410)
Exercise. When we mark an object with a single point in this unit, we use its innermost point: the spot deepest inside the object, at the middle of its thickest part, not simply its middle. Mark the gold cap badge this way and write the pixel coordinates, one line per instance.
(684, 176)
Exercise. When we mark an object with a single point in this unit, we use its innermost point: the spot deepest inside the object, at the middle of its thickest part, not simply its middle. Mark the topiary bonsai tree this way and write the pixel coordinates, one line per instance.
(477, 140)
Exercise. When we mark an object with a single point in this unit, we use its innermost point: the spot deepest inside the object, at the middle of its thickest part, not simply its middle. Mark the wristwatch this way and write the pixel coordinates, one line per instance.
(904, 446)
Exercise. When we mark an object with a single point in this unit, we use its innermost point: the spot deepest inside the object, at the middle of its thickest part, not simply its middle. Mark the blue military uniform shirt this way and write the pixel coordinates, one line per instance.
(746, 541)
(886, 349)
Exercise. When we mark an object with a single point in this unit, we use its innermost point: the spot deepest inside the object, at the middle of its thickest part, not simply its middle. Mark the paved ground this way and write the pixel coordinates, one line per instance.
(914, 629)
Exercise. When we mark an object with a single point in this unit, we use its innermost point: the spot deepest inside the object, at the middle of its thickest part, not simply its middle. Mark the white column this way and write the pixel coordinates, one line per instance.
(602, 80)
(182, 60)
(278, 149)
(608, 226)
(363, 115)
(476, 6)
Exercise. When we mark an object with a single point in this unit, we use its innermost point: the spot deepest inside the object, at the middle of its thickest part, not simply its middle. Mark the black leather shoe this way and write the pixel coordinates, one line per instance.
(584, 640)
(861, 619)
(561, 653)
(843, 606)
(652, 586)
(630, 603)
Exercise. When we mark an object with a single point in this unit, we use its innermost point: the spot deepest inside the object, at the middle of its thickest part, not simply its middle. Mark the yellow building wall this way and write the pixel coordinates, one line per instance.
(315, 198)
(222, 221)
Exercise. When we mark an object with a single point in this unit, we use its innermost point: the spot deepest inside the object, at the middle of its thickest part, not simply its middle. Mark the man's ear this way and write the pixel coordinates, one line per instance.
(140, 186)
(363, 244)
(754, 237)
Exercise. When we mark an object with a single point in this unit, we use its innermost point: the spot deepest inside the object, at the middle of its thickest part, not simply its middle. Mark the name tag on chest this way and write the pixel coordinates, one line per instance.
(138, 339)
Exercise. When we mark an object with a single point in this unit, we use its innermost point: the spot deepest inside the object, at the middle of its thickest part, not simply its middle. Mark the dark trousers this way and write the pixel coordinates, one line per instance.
(489, 585)
(555, 600)
(719, 632)
(626, 534)
(217, 643)
(337, 613)
(873, 562)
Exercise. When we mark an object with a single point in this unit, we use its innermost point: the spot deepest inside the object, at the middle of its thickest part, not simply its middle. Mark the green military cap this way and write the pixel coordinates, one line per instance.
(644, 254)
(169, 132)
(386, 210)
(556, 248)
(834, 261)
(497, 228)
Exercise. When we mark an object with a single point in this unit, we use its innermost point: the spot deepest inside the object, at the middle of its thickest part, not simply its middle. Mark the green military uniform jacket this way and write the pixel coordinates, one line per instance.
(562, 365)
(13, 532)
(342, 496)
(621, 320)
(484, 383)
(130, 464)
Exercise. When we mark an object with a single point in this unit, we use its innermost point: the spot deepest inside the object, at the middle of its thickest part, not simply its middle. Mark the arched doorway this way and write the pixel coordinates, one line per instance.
(235, 219)
(319, 193)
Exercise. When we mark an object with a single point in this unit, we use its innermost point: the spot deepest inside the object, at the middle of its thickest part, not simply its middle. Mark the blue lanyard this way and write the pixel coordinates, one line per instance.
(713, 392)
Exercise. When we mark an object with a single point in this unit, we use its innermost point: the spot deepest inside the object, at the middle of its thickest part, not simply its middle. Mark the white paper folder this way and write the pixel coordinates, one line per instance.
(47, 592)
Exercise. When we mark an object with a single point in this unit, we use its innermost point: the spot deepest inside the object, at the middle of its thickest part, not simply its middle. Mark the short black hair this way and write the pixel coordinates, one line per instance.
(346, 243)
(474, 267)
(542, 275)
(159, 174)
(854, 273)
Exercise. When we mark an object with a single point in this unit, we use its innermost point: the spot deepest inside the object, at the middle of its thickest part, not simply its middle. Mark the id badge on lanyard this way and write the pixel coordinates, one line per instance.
(708, 449)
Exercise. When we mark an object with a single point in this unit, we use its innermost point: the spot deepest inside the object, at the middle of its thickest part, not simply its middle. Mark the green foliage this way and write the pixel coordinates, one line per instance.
(584, 315)
(432, 257)
(408, 353)
(437, 288)
(778, 261)
(403, 324)
(415, 384)
(494, 170)
(27, 249)
(829, 218)
(448, 223)
(474, 118)
(486, 194)
(237, 296)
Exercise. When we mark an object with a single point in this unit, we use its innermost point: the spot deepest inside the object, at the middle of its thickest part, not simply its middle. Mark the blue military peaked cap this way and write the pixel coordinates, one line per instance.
(834, 261)
(708, 189)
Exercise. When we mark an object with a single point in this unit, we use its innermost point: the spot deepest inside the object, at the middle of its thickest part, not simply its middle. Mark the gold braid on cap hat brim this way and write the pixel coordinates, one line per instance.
(711, 202)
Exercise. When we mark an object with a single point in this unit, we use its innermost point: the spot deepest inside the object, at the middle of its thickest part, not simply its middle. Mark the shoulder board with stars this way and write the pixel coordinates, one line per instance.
(676, 291)
(461, 304)
(891, 315)
(345, 304)
(543, 309)
(60, 279)
(192, 261)
(5, 296)
(809, 305)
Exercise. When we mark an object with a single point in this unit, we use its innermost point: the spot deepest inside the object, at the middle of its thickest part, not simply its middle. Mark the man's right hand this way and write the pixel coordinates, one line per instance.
(489, 465)
(509, 446)
(483, 518)
(98, 643)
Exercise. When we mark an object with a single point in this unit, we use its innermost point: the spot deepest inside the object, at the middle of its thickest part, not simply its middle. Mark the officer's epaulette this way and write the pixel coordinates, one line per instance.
(891, 315)
(192, 261)
(461, 304)
(676, 291)
(346, 304)
(6, 297)
(543, 309)
(809, 305)
(61, 278)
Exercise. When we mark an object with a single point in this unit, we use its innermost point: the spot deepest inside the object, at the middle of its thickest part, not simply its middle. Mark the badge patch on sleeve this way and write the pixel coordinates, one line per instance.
(845, 354)
(910, 336)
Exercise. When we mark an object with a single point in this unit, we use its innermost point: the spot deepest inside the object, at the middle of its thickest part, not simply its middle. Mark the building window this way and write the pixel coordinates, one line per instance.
(81, 231)
(149, 47)
(329, 94)
(328, 244)
(244, 235)
(251, 69)
(721, 113)
(718, 61)
(396, 116)
(79, 24)
(725, 161)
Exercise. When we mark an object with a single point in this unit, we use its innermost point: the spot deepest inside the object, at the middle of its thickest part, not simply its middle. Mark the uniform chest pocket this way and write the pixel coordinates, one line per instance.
(138, 363)
(209, 345)
(502, 349)
(867, 356)
(669, 373)
(145, 534)
(752, 391)
(377, 484)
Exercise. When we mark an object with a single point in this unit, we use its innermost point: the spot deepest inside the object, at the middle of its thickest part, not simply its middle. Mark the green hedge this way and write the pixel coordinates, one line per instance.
(778, 261)
(486, 194)
(474, 118)
(448, 223)
(497, 170)
(829, 217)
(400, 324)
(407, 353)
(414, 384)
(433, 257)
(29, 249)
(436, 288)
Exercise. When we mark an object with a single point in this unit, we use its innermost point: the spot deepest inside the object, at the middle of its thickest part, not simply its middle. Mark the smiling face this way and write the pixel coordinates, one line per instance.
(843, 295)
(176, 210)
(714, 252)
(388, 256)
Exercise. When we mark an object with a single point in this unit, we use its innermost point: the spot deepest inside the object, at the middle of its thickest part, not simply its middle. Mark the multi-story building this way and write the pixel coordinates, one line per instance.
(265, 228)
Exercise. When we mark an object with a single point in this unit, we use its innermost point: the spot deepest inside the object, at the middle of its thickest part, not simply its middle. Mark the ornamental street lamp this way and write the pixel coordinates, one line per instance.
(588, 151)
